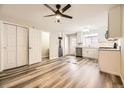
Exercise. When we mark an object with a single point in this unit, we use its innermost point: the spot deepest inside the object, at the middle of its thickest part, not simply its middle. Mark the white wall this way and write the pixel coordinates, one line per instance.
(1, 45)
(122, 46)
(0, 42)
(66, 45)
(45, 44)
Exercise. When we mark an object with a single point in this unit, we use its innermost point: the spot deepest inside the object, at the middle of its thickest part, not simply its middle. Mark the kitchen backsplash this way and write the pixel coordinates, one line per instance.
(109, 43)
(79, 45)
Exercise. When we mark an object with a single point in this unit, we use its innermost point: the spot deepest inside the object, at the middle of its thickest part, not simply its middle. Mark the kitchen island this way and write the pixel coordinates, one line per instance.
(109, 60)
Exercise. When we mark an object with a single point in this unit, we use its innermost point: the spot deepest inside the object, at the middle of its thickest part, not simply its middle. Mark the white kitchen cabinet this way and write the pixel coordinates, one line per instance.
(114, 21)
(109, 61)
(79, 37)
(90, 53)
(85, 52)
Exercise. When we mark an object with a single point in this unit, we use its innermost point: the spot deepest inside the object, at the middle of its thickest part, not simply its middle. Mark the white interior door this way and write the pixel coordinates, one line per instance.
(9, 37)
(34, 46)
(22, 46)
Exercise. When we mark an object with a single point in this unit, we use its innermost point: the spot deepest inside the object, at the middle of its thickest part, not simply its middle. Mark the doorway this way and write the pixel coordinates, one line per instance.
(45, 46)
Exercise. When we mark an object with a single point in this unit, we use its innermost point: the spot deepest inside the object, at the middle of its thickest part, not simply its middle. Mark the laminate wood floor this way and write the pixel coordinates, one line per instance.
(65, 72)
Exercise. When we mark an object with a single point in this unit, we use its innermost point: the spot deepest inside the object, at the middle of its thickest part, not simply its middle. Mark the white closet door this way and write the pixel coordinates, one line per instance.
(9, 46)
(34, 46)
(22, 46)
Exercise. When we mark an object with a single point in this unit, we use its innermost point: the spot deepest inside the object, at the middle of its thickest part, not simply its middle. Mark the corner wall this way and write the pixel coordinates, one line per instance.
(0, 43)
(122, 46)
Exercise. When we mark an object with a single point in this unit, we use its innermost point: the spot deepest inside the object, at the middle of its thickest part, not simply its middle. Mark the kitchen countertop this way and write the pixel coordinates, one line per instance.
(102, 48)
(109, 49)
(89, 47)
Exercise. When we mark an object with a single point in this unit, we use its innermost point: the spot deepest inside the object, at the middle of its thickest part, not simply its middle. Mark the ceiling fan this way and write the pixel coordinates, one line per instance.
(59, 13)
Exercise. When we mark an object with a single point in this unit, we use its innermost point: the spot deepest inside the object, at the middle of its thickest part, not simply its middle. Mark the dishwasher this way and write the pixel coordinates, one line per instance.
(78, 52)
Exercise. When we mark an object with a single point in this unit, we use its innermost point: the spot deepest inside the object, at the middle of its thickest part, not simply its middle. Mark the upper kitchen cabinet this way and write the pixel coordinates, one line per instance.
(114, 22)
(79, 37)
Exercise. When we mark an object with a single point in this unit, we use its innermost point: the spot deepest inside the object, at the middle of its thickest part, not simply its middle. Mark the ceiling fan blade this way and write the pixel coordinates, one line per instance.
(63, 15)
(50, 8)
(50, 15)
(65, 8)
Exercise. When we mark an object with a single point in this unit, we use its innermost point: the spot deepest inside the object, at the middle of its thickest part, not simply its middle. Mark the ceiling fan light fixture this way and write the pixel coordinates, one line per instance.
(58, 16)
(59, 12)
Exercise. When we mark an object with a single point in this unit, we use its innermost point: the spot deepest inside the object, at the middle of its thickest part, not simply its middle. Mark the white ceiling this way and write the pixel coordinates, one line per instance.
(32, 15)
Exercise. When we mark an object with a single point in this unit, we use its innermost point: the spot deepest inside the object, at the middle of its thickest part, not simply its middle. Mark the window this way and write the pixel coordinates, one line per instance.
(90, 40)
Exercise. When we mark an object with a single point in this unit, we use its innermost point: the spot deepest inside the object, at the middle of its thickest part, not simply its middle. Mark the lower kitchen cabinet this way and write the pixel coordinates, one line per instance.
(90, 53)
(109, 61)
